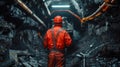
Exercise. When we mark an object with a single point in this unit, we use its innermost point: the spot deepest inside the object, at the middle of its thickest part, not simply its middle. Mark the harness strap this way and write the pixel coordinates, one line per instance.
(54, 38)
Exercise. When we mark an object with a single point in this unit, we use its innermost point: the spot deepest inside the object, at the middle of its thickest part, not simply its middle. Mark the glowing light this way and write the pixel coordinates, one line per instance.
(60, 6)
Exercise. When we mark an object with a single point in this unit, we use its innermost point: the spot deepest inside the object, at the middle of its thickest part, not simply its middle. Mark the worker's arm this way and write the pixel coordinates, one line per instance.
(68, 39)
(45, 42)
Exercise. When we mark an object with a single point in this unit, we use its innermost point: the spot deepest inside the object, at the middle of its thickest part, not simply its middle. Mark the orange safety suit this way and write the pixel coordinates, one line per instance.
(56, 39)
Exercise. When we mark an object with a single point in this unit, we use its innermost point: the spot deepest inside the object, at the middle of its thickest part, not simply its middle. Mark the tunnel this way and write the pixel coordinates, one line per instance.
(93, 26)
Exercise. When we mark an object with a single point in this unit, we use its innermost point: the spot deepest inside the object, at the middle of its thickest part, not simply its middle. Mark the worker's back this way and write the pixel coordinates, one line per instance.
(62, 38)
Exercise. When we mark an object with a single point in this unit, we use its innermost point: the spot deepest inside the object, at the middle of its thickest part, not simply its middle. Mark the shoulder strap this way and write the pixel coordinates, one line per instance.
(54, 38)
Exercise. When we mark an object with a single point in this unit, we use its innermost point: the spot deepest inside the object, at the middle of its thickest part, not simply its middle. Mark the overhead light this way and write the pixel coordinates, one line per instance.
(60, 6)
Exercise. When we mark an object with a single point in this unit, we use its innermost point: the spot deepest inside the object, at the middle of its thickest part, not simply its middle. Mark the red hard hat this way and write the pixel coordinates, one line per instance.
(57, 19)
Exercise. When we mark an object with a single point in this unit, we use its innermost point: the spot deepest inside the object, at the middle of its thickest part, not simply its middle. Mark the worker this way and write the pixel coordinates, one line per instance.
(56, 40)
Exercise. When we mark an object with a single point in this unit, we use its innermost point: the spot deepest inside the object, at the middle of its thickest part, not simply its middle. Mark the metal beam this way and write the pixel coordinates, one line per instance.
(24, 7)
(46, 6)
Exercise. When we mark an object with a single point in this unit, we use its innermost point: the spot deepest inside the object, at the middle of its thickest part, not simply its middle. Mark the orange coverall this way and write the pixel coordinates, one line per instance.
(63, 39)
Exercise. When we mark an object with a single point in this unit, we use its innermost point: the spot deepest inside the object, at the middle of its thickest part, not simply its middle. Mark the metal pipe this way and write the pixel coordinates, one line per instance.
(47, 8)
(104, 7)
(21, 4)
(84, 61)
(84, 58)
